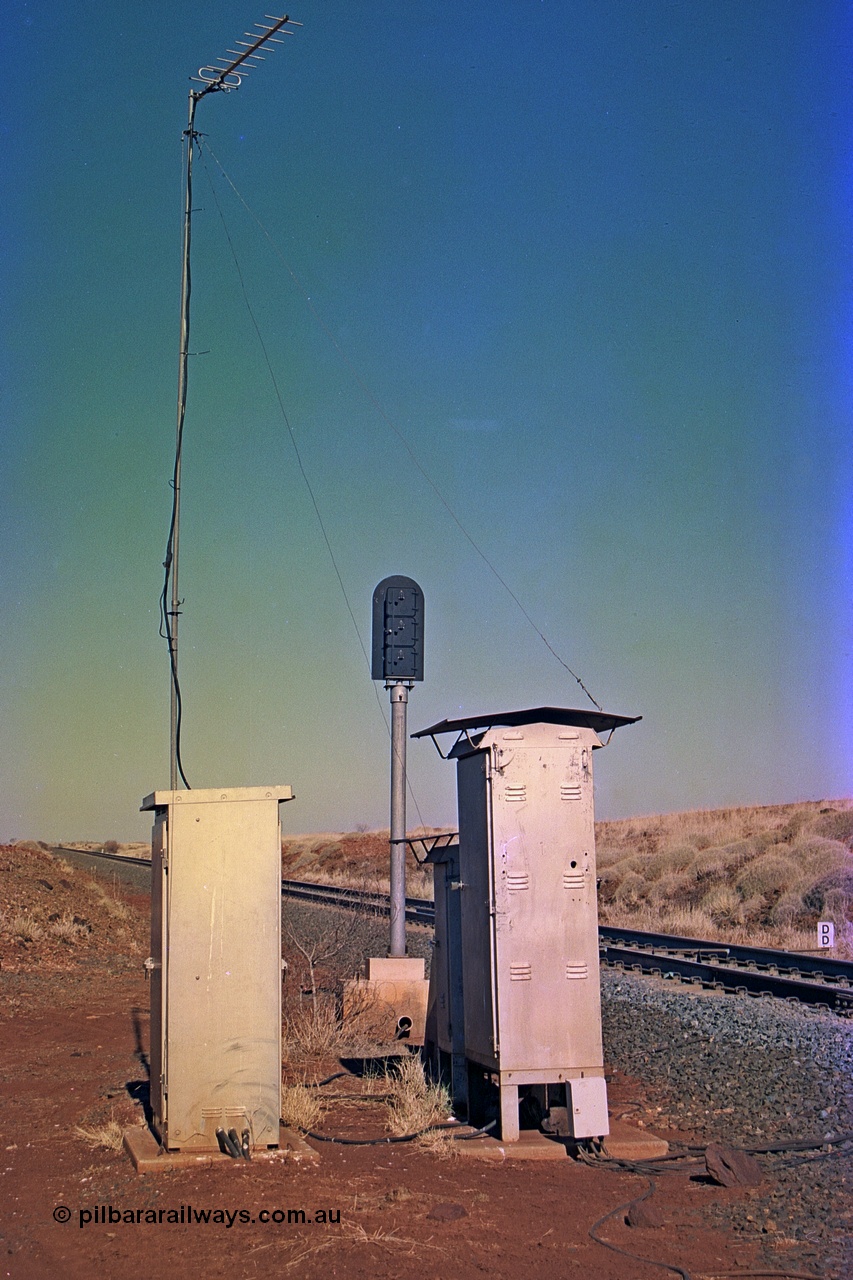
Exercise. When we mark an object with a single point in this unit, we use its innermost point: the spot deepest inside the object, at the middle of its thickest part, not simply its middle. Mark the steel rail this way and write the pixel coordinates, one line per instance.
(100, 853)
(417, 910)
(729, 967)
(721, 977)
(793, 963)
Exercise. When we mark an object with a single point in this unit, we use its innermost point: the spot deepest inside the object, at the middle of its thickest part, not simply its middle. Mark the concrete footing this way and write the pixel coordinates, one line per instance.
(148, 1157)
(390, 1002)
(624, 1142)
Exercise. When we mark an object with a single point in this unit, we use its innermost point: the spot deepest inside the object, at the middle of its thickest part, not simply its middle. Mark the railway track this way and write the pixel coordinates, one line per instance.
(824, 982)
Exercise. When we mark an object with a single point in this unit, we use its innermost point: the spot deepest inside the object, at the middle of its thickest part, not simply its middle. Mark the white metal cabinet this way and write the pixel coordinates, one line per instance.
(518, 956)
(529, 915)
(216, 964)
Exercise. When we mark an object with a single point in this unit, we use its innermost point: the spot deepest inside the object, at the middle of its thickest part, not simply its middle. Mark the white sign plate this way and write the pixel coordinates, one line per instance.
(825, 934)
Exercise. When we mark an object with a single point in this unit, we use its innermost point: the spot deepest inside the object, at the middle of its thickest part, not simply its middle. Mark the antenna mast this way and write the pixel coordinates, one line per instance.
(225, 75)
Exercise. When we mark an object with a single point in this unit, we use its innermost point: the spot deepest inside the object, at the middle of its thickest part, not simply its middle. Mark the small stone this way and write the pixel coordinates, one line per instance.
(644, 1214)
(447, 1213)
(731, 1168)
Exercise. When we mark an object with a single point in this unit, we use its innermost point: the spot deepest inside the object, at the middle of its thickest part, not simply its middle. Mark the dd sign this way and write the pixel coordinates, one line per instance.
(398, 631)
(825, 934)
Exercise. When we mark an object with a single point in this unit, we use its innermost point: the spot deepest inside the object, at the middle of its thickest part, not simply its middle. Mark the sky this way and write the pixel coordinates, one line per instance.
(556, 302)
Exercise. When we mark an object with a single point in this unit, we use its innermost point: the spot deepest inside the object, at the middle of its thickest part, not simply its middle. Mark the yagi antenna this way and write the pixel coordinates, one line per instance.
(223, 75)
(231, 75)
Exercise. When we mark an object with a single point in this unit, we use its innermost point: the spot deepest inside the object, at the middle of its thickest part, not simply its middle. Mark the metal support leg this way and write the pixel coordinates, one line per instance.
(509, 1112)
(459, 1084)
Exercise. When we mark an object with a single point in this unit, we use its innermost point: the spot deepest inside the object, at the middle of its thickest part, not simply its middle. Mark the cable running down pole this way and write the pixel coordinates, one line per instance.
(223, 76)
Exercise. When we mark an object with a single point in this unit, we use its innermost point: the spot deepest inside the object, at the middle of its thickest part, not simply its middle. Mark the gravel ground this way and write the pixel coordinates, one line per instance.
(744, 1071)
(729, 1069)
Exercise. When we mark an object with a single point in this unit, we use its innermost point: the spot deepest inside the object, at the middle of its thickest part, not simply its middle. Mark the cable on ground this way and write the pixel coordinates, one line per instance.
(393, 1138)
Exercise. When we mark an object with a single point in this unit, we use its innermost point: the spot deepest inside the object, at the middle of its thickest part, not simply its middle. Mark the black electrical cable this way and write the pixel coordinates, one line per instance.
(647, 1168)
(669, 1266)
(691, 1165)
(747, 1275)
(635, 1257)
(392, 1138)
(166, 615)
(689, 1155)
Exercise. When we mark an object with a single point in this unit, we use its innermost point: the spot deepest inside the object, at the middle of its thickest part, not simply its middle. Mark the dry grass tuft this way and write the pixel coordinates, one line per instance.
(108, 1136)
(301, 1106)
(67, 929)
(24, 927)
(388, 1240)
(310, 1033)
(439, 1143)
(118, 910)
(414, 1103)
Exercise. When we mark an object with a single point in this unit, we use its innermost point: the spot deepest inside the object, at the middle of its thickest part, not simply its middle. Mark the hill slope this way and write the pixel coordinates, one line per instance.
(765, 874)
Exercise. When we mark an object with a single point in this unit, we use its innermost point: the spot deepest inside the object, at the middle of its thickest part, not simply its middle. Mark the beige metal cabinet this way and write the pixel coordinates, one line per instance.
(215, 964)
(526, 984)
(529, 915)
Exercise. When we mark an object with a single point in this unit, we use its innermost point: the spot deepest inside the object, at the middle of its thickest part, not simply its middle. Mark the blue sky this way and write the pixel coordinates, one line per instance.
(592, 262)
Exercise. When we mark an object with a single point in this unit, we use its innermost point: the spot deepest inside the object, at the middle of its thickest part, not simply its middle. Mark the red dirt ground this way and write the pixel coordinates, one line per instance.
(75, 1036)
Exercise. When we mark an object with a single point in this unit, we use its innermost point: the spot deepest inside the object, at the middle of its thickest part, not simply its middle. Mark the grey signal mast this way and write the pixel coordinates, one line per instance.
(223, 76)
(398, 659)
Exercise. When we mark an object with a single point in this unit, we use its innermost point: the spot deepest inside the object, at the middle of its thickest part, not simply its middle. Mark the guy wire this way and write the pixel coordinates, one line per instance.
(293, 442)
(377, 405)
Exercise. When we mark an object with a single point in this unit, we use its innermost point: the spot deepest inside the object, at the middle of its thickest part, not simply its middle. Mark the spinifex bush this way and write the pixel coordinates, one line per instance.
(724, 905)
(670, 860)
(765, 874)
(768, 877)
(67, 929)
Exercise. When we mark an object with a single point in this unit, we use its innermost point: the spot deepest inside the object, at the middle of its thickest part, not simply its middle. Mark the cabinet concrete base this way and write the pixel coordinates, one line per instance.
(390, 1001)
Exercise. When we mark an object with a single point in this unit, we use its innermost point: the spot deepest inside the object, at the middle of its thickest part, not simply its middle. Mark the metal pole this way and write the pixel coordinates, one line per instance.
(174, 607)
(215, 78)
(399, 701)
